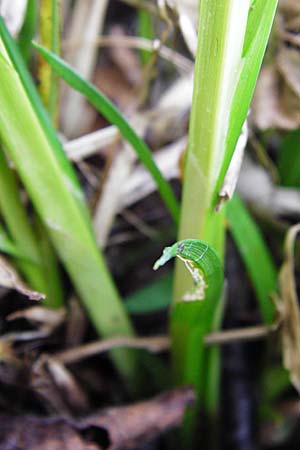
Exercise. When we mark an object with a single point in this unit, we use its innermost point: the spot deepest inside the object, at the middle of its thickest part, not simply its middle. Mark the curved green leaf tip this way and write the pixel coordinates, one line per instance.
(168, 253)
(203, 263)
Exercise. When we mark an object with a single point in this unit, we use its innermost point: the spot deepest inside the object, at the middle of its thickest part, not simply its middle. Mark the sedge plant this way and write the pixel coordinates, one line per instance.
(232, 39)
(218, 113)
(31, 143)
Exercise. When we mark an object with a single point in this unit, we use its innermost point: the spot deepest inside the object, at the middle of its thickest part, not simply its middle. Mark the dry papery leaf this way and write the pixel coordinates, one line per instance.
(290, 8)
(47, 321)
(13, 13)
(276, 102)
(58, 389)
(9, 278)
(87, 19)
(113, 428)
(288, 307)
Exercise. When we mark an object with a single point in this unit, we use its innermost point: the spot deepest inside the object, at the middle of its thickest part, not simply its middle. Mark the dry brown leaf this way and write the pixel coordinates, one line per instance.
(68, 386)
(87, 22)
(288, 64)
(125, 59)
(113, 428)
(33, 433)
(289, 310)
(274, 107)
(111, 81)
(154, 344)
(276, 102)
(9, 278)
(39, 314)
(290, 8)
(43, 383)
(129, 426)
(47, 321)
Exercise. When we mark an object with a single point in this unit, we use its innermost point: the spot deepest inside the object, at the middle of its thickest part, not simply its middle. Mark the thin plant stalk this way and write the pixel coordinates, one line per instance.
(28, 29)
(49, 28)
(50, 38)
(16, 219)
(38, 267)
(145, 30)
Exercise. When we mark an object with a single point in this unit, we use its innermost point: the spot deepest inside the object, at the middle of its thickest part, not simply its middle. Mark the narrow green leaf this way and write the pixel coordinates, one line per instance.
(15, 217)
(45, 181)
(154, 297)
(145, 30)
(255, 255)
(113, 115)
(50, 38)
(28, 29)
(289, 159)
(193, 316)
(56, 146)
(7, 246)
(260, 21)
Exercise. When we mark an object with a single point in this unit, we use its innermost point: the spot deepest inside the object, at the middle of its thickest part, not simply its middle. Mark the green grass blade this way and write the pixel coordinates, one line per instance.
(193, 317)
(197, 306)
(8, 46)
(28, 29)
(45, 182)
(113, 115)
(145, 30)
(50, 266)
(154, 297)
(255, 255)
(8, 247)
(50, 38)
(16, 219)
(289, 159)
(260, 20)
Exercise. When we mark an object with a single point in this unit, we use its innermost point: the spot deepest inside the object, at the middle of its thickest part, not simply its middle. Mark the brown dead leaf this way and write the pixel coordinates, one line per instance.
(34, 433)
(124, 58)
(290, 8)
(37, 314)
(288, 64)
(274, 105)
(276, 102)
(129, 426)
(113, 428)
(289, 310)
(47, 321)
(9, 278)
(111, 81)
(57, 387)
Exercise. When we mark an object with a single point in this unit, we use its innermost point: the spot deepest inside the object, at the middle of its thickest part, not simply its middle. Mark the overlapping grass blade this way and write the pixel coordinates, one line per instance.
(9, 47)
(48, 187)
(289, 159)
(152, 298)
(231, 42)
(50, 38)
(28, 29)
(260, 20)
(145, 30)
(7, 246)
(255, 255)
(113, 115)
(14, 214)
